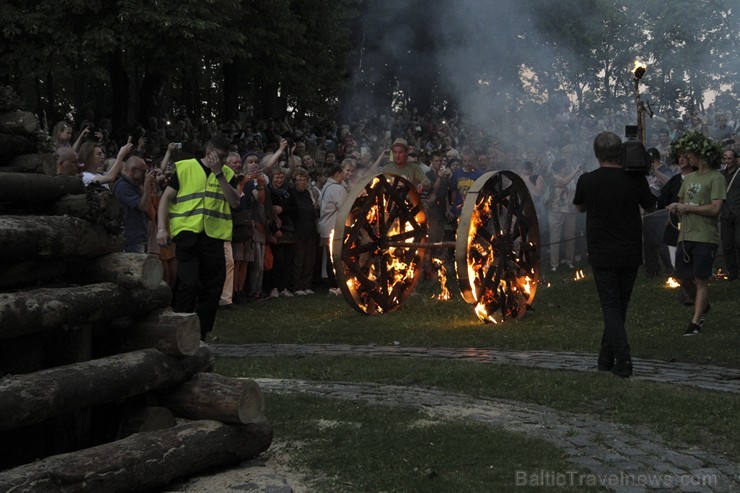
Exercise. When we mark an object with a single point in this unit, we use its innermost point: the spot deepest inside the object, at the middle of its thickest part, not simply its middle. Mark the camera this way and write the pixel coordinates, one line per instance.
(178, 145)
(633, 156)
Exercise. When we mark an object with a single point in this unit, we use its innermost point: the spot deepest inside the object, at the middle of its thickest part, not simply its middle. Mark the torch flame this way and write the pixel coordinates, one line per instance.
(672, 283)
(639, 69)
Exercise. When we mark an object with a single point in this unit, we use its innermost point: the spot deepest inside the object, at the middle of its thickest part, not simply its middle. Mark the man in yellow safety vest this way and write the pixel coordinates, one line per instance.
(197, 204)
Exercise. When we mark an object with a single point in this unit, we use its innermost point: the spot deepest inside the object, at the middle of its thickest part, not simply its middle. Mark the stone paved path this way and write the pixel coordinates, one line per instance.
(620, 457)
(702, 376)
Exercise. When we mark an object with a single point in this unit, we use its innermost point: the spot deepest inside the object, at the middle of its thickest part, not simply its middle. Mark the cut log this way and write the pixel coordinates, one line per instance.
(33, 397)
(130, 270)
(170, 332)
(142, 461)
(151, 418)
(20, 274)
(35, 163)
(14, 122)
(21, 188)
(39, 237)
(90, 207)
(212, 396)
(38, 310)
(13, 145)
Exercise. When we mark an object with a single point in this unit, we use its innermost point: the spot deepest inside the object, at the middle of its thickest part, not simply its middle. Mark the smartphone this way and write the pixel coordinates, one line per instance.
(178, 145)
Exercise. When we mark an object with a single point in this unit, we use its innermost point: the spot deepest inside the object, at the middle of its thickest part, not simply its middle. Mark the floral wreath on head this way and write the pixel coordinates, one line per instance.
(708, 150)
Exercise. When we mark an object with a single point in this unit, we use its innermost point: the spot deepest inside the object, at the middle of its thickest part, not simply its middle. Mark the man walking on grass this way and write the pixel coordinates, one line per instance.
(611, 198)
(699, 203)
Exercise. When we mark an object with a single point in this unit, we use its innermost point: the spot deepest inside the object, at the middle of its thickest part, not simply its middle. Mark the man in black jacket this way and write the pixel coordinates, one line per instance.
(611, 198)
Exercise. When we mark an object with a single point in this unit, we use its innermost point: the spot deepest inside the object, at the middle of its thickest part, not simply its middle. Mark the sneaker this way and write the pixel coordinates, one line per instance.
(286, 293)
(706, 310)
(274, 293)
(692, 330)
(335, 291)
(308, 291)
(300, 292)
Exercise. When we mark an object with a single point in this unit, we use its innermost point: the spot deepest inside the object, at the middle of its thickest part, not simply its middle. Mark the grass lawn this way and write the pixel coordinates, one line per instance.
(351, 446)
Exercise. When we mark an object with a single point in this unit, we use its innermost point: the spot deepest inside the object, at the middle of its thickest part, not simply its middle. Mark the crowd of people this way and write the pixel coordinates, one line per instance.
(268, 192)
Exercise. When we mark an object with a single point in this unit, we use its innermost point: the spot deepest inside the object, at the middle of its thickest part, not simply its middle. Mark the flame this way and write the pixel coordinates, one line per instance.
(579, 275)
(444, 293)
(672, 283)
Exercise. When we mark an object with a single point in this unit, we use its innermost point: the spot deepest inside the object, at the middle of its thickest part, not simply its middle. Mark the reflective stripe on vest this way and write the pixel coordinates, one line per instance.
(200, 204)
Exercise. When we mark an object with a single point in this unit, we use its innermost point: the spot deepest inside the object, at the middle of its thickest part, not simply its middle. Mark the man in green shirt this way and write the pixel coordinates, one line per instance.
(400, 166)
(699, 205)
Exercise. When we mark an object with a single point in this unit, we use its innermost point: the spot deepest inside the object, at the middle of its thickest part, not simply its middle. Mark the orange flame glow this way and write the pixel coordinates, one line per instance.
(579, 275)
(672, 283)
(444, 293)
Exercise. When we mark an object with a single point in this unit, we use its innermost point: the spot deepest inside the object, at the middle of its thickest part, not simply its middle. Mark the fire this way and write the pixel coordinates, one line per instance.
(639, 69)
(579, 275)
(672, 283)
(444, 293)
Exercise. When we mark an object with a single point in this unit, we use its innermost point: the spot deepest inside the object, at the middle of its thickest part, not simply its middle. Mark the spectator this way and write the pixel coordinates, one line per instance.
(655, 251)
(134, 192)
(612, 199)
(282, 237)
(730, 216)
(234, 162)
(303, 210)
(92, 156)
(66, 161)
(333, 195)
(461, 181)
(200, 221)
(561, 214)
(62, 136)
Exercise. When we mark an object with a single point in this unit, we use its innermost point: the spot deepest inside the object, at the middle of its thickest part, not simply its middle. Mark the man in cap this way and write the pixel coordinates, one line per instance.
(402, 167)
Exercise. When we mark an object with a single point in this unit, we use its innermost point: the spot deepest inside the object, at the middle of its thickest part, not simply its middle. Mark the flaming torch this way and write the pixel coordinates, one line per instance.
(638, 71)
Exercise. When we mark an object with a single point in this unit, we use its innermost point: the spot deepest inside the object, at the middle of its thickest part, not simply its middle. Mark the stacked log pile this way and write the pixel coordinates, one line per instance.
(102, 386)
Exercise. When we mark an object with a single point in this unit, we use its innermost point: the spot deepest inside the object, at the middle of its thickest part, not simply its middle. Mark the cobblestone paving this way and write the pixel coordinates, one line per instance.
(619, 457)
(702, 376)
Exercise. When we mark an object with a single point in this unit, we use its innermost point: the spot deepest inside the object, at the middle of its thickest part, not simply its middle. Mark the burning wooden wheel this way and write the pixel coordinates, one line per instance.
(377, 249)
(497, 247)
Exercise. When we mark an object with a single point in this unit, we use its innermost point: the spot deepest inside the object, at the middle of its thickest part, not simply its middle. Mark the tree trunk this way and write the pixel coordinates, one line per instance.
(230, 109)
(35, 163)
(20, 188)
(142, 461)
(31, 398)
(170, 332)
(119, 84)
(30, 312)
(211, 396)
(39, 237)
(18, 122)
(149, 95)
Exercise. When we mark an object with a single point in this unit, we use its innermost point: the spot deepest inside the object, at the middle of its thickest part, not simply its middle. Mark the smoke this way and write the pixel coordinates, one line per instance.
(497, 62)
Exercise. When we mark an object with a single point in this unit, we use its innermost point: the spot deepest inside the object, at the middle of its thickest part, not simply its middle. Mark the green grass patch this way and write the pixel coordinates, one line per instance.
(566, 317)
(681, 415)
(359, 447)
